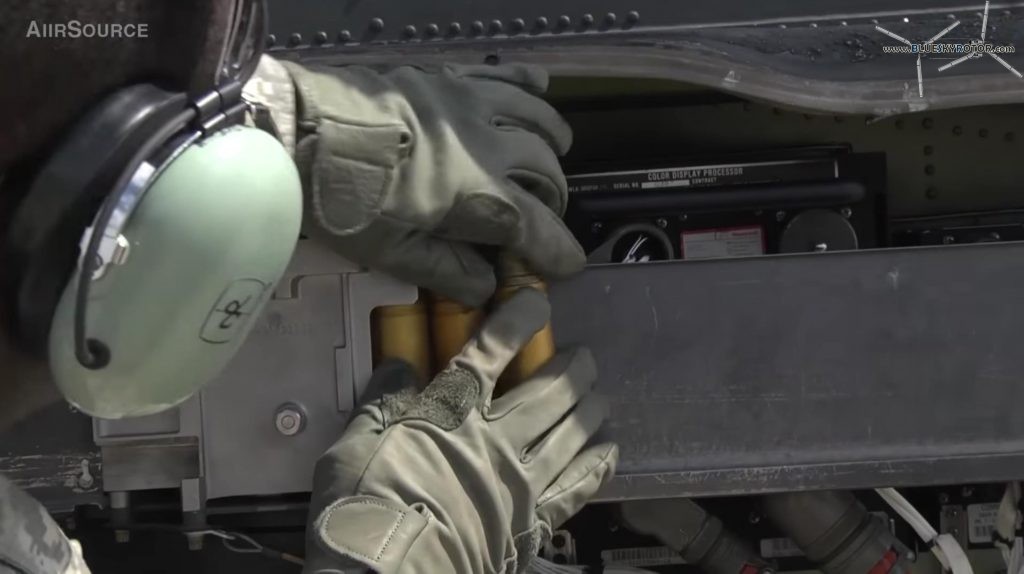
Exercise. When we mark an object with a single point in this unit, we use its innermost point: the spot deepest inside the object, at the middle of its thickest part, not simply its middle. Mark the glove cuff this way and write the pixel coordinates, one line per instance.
(349, 145)
(370, 531)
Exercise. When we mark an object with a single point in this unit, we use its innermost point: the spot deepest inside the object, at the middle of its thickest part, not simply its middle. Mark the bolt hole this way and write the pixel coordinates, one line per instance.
(492, 59)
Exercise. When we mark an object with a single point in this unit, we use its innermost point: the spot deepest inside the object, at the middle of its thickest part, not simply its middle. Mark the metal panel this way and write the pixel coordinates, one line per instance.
(844, 370)
(811, 55)
(408, 21)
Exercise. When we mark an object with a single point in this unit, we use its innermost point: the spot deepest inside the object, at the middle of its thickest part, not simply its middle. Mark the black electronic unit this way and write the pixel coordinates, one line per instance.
(819, 199)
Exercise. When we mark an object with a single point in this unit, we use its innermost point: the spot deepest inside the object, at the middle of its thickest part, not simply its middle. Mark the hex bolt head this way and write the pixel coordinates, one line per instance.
(289, 420)
(846, 212)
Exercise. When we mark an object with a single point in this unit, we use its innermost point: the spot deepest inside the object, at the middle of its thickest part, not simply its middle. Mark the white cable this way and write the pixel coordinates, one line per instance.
(541, 566)
(1008, 522)
(944, 546)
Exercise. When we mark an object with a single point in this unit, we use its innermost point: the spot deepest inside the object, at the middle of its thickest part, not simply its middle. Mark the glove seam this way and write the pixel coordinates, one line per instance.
(548, 497)
(343, 549)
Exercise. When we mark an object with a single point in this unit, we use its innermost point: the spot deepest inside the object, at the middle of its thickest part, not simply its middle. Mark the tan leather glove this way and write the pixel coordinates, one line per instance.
(406, 171)
(447, 480)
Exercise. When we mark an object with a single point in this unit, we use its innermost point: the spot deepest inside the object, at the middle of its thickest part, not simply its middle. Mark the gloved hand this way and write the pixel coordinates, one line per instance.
(404, 171)
(447, 480)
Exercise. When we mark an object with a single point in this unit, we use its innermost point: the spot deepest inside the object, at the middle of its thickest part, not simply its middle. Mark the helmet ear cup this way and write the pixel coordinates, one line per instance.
(201, 253)
(41, 243)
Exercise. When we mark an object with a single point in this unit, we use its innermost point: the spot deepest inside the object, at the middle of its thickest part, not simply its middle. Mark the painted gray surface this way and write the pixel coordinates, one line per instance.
(836, 370)
(892, 367)
(808, 55)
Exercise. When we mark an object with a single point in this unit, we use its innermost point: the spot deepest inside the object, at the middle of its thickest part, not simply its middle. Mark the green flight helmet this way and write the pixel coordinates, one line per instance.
(192, 267)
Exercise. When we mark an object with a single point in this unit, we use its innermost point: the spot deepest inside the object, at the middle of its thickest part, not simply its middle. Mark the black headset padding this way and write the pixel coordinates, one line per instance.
(42, 240)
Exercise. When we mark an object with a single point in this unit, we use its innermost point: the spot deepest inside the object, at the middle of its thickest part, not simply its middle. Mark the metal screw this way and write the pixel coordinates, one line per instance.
(943, 497)
(376, 25)
(846, 212)
(927, 123)
(518, 25)
(780, 215)
(983, 133)
(320, 38)
(946, 240)
(820, 247)
(409, 31)
(814, 24)
(587, 20)
(754, 518)
(295, 39)
(271, 40)
(344, 36)
(496, 26)
(968, 491)
(633, 17)
(564, 21)
(85, 481)
(843, 23)
(662, 222)
(433, 30)
(541, 23)
(596, 227)
(929, 169)
(957, 130)
(289, 420)
(683, 217)
(610, 18)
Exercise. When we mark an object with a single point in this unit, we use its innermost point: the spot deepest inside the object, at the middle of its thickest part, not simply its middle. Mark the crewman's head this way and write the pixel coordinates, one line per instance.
(98, 107)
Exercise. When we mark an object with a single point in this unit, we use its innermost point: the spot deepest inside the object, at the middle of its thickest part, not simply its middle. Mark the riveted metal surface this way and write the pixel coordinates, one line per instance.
(804, 54)
(288, 16)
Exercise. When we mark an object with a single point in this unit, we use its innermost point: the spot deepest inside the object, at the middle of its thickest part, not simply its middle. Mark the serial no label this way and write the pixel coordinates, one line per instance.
(703, 176)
